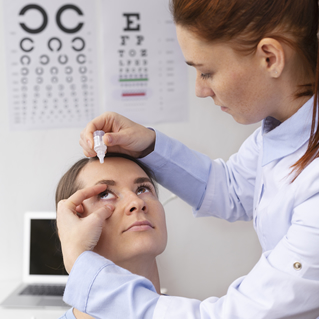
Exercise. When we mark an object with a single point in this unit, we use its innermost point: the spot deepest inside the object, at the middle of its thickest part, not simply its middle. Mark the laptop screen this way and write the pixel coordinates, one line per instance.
(45, 249)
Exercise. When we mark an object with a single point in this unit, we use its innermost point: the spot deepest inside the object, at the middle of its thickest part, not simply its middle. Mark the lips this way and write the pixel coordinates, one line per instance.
(139, 226)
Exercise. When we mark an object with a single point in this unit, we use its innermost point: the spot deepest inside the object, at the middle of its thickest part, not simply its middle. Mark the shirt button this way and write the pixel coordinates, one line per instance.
(297, 265)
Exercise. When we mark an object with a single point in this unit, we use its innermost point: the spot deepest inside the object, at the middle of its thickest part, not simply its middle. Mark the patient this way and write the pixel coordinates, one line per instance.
(136, 231)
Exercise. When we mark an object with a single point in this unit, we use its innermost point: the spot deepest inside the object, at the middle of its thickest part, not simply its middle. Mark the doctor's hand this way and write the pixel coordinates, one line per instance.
(122, 136)
(77, 234)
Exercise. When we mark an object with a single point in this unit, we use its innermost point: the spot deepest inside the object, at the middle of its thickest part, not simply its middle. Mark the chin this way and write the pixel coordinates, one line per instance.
(242, 121)
(245, 121)
(150, 248)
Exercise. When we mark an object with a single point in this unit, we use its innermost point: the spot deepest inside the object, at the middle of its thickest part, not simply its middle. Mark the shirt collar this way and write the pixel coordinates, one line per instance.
(282, 139)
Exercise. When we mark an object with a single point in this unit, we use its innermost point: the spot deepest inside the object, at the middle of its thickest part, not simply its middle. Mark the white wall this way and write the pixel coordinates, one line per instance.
(203, 255)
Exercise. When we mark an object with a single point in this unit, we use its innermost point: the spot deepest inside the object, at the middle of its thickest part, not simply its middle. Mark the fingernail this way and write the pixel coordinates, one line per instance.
(111, 208)
(109, 139)
(90, 144)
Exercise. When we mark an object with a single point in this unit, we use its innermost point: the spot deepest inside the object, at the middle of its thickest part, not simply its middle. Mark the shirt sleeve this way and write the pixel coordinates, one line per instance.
(275, 288)
(68, 315)
(203, 183)
(100, 288)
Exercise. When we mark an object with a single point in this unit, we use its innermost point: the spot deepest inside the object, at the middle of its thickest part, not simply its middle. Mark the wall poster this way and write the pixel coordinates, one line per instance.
(145, 72)
(59, 54)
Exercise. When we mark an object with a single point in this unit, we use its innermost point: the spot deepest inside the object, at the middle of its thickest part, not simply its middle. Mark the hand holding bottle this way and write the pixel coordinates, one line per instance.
(121, 136)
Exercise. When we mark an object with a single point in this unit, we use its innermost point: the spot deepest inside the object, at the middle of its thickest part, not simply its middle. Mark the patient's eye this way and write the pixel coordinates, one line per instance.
(107, 195)
(143, 189)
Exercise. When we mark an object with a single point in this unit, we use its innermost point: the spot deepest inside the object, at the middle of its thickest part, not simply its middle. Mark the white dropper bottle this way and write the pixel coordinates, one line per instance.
(99, 146)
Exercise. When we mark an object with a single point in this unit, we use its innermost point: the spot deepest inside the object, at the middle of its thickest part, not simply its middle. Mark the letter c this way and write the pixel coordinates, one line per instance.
(23, 48)
(58, 18)
(44, 15)
(81, 47)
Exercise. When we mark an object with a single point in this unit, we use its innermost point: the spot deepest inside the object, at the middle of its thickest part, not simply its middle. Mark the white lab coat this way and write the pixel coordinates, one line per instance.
(254, 184)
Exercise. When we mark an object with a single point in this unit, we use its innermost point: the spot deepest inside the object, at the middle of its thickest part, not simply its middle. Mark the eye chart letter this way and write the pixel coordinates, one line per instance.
(51, 63)
(145, 72)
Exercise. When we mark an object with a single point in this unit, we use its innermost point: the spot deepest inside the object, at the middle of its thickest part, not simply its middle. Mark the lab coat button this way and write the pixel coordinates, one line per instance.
(297, 265)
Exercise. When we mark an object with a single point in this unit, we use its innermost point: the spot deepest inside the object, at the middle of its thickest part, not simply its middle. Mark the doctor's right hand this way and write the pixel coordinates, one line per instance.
(122, 136)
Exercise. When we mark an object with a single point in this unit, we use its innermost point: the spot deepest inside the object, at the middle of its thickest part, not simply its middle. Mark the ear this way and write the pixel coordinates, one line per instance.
(272, 56)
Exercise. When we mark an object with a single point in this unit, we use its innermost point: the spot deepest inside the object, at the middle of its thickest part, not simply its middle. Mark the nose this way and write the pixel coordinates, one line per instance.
(135, 204)
(202, 89)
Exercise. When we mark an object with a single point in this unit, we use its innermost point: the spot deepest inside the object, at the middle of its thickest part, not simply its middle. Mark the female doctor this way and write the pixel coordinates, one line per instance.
(257, 59)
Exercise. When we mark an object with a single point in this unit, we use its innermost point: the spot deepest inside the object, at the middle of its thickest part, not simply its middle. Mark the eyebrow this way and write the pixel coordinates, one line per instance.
(110, 182)
(193, 64)
(141, 180)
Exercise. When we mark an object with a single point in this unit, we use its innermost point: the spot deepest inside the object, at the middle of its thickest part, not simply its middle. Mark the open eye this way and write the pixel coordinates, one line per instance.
(107, 195)
(143, 189)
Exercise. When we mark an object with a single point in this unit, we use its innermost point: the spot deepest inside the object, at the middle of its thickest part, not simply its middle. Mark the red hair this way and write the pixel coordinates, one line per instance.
(246, 22)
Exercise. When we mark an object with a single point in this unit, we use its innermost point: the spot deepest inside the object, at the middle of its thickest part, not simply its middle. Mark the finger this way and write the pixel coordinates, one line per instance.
(86, 139)
(103, 122)
(78, 197)
(64, 216)
(108, 212)
(113, 139)
(79, 209)
(88, 152)
(98, 217)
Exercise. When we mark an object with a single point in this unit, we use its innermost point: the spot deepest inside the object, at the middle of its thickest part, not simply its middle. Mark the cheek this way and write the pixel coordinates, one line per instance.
(239, 83)
(241, 89)
(227, 86)
(163, 239)
(162, 231)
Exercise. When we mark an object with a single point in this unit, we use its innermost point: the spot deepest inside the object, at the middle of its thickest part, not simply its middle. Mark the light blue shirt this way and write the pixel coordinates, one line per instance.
(68, 315)
(254, 184)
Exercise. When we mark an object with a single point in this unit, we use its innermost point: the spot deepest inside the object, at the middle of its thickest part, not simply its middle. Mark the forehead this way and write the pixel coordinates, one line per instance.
(199, 51)
(120, 170)
(186, 36)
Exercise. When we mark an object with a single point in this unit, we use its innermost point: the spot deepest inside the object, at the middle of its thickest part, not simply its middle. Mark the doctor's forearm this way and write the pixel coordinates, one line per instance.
(179, 169)
(98, 287)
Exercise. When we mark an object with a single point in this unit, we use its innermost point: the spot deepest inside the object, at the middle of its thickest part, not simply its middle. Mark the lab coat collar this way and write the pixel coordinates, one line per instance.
(282, 139)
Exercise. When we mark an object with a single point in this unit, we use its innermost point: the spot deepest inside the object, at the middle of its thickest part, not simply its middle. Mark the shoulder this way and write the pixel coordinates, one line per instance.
(252, 144)
(254, 139)
(249, 151)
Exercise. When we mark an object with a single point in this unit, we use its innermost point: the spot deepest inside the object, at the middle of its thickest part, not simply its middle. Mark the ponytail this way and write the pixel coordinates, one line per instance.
(313, 145)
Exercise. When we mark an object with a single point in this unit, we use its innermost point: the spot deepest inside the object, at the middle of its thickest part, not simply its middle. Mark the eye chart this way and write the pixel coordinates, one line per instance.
(51, 58)
(147, 77)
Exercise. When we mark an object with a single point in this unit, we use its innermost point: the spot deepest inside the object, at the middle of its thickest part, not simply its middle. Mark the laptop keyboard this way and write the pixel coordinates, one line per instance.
(43, 290)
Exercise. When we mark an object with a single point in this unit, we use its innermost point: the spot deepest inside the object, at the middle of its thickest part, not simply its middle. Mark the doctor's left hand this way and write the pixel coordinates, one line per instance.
(80, 234)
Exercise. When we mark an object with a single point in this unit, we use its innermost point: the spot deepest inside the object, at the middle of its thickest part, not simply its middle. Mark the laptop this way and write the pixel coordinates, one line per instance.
(44, 275)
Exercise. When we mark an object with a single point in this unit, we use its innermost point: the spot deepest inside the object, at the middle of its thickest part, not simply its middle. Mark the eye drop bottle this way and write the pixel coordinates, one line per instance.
(99, 146)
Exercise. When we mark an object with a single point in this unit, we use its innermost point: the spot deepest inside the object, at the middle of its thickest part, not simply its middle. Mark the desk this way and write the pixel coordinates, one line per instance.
(7, 287)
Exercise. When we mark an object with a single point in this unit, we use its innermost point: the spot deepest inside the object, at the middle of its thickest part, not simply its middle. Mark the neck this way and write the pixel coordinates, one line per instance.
(142, 267)
(289, 106)
(286, 86)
